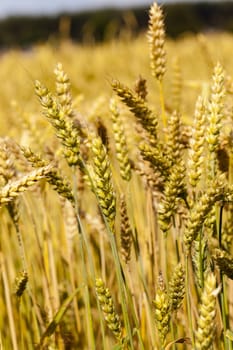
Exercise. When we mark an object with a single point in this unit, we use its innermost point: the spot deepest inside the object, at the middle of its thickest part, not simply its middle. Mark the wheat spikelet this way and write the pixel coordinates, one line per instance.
(120, 143)
(138, 107)
(126, 231)
(60, 185)
(107, 306)
(64, 127)
(174, 189)
(34, 159)
(21, 283)
(215, 110)
(7, 168)
(14, 151)
(156, 39)
(200, 266)
(177, 287)
(63, 91)
(54, 178)
(14, 188)
(151, 179)
(156, 155)
(102, 179)
(161, 305)
(207, 311)
(201, 209)
(197, 141)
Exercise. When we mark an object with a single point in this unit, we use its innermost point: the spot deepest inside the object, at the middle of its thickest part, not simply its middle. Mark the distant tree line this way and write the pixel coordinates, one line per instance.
(107, 24)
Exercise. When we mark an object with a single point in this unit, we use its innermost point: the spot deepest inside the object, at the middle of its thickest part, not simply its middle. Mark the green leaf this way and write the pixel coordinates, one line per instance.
(58, 317)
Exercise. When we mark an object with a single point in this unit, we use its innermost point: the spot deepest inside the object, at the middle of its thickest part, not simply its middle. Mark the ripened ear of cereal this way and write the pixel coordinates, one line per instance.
(116, 198)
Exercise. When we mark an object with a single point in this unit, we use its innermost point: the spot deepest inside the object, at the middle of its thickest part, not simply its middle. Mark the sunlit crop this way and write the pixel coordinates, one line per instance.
(116, 195)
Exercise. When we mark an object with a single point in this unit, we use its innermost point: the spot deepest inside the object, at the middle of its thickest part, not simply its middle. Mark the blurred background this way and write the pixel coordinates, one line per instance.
(26, 22)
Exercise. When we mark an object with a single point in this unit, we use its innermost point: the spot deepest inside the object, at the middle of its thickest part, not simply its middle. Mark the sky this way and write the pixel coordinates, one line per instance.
(46, 7)
(9, 7)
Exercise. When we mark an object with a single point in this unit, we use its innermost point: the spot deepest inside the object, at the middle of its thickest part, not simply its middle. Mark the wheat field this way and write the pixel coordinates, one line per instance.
(116, 193)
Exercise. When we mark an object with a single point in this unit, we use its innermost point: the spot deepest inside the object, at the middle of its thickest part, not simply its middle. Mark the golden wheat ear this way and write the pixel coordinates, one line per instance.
(204, 335)
(14, 188)
(156, 39)
(120, 142)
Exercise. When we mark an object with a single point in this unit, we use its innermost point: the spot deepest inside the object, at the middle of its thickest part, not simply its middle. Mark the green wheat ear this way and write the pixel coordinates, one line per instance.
(102, 181)
(108, 308)
(162, 311)
(177, 287)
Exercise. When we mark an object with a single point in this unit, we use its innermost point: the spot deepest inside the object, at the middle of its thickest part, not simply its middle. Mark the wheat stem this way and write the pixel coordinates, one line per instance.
(91, 337)
(188, 301)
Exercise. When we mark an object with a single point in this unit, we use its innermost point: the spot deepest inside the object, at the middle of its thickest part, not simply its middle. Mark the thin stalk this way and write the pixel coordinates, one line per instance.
(188, 303)
(220, 227)
(21, 246)
(119, 272)
(89, 255)
(162, 105)
(230, 182)
(21, 325)
(223, 300)
(43, 264)
(75, 305)
(8, 304)
(141, 272)
(231, 168)
(223, 295)
(164, 261)
(120, 280)
(89, 321)
(140, 262)
(173, 332)
(134, 316)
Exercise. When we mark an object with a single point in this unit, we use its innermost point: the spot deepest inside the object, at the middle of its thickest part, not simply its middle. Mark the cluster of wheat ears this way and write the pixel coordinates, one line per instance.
(119, 233)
